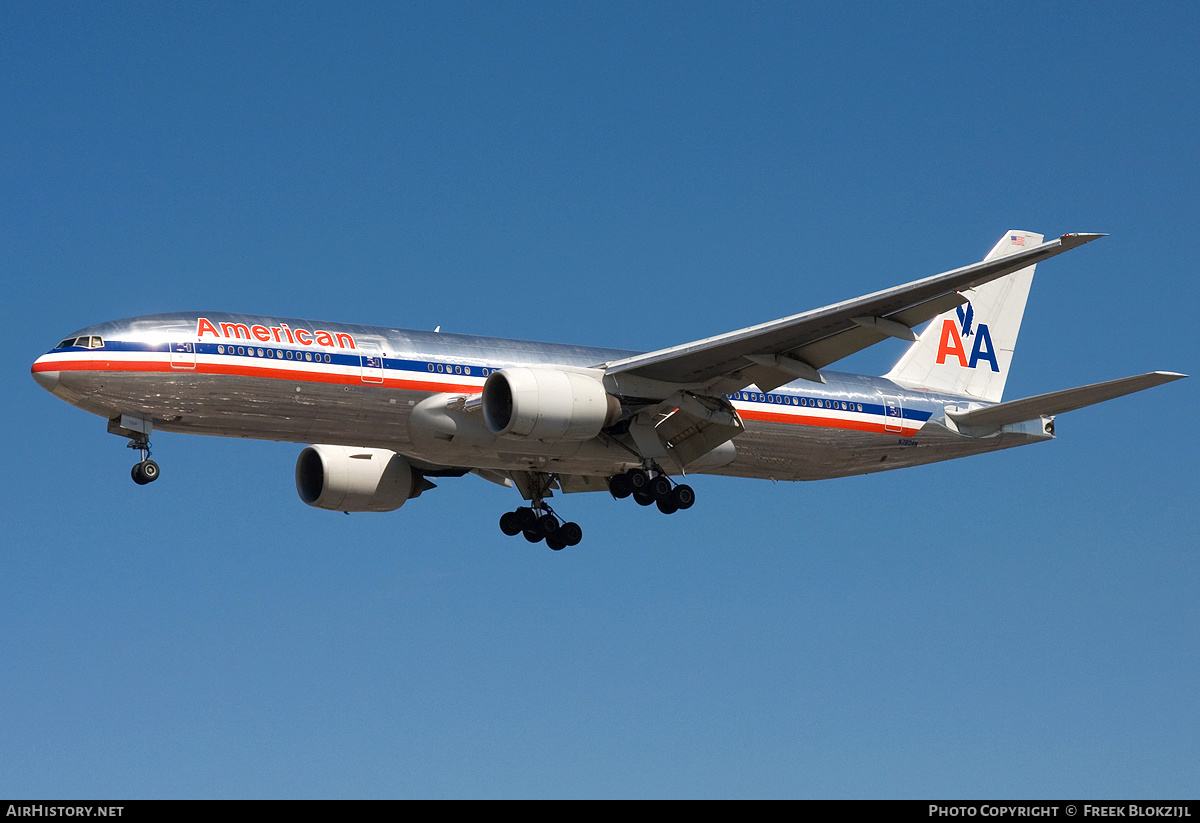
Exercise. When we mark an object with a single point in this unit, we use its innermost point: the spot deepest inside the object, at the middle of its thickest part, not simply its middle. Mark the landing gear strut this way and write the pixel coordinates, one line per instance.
(649, 488)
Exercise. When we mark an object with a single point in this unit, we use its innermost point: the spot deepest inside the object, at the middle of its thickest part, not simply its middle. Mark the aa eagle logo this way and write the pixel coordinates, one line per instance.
(950, 344)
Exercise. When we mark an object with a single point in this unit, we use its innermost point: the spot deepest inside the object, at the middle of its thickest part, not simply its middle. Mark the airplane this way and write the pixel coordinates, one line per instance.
(388, 409)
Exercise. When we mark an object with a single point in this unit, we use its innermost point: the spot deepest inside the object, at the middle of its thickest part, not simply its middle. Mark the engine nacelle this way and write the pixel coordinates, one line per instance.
(547, 404)
(345, 479)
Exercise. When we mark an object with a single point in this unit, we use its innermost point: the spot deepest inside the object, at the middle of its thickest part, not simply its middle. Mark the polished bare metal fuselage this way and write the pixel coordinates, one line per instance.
(851, 424)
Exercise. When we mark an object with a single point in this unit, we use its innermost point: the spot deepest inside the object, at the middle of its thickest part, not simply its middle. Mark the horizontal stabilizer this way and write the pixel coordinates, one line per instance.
(1046, 405)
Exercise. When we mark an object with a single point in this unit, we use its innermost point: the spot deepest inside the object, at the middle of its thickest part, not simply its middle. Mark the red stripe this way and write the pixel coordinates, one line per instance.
(825, 422)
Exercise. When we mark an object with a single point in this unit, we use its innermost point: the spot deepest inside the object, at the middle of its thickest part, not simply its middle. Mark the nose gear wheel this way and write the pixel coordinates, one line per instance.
(145, 471)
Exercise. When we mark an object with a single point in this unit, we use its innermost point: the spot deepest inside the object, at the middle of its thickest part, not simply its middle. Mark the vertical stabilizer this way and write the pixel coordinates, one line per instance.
(968, 351)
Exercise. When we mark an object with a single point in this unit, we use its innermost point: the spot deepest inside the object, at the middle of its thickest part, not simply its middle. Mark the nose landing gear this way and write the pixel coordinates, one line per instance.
(145, 471)
(137, 430)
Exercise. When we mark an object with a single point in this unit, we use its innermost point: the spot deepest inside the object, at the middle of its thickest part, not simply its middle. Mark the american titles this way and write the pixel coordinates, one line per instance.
(277, 334)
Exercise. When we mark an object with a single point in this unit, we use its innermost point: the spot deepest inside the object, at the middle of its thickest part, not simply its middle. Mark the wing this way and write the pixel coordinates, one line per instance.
(774, 353)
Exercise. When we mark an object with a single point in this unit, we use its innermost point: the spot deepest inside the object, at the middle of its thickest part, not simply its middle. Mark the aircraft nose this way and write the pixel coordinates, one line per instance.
(44, 375)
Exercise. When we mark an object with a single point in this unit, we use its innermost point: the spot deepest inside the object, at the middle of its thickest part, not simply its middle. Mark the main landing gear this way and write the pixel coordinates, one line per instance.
(539, 523)
(648, 488)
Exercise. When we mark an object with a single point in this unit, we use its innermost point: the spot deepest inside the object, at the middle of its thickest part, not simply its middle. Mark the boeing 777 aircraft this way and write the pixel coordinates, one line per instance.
(393, 408)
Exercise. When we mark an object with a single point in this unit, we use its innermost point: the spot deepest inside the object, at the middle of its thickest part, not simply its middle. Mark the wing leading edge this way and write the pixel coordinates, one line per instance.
(774, 353)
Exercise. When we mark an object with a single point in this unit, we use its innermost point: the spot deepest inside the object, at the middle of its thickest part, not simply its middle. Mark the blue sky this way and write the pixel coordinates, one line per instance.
(1022, 624)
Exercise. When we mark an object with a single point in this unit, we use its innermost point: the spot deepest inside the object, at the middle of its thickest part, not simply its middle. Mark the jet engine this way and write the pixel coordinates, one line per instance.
(346, 479)
(547, 404)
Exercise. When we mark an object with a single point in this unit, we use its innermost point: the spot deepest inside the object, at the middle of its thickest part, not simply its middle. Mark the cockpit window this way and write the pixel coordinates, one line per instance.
(88, 342)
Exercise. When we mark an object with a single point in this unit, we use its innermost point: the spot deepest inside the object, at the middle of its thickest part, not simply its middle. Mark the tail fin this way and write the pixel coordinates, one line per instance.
(967, 351)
